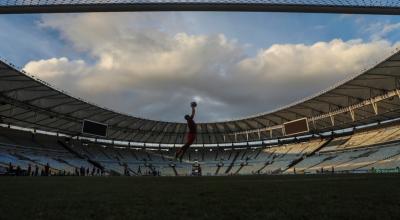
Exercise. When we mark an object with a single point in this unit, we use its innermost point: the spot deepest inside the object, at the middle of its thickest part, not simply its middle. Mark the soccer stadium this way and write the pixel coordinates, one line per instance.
(334, 153)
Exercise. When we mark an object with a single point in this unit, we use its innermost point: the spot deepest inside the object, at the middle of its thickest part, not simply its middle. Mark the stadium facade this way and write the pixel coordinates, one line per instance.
(368, 97)
(351, 127)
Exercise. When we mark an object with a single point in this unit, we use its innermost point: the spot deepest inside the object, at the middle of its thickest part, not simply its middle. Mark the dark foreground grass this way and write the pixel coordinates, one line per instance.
(240, 197)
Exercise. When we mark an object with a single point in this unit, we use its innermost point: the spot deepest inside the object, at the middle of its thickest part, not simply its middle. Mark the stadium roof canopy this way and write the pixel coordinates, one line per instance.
(319, 6)
(368, 97)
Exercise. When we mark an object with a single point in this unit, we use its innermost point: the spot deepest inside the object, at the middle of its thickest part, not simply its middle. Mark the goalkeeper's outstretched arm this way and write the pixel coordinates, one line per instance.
(193, 112)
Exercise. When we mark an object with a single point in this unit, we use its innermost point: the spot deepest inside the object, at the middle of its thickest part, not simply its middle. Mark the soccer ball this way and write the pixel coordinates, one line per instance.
(193, 104)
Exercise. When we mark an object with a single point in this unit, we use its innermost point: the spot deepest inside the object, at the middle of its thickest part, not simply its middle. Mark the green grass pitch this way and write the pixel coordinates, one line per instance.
(231, 197)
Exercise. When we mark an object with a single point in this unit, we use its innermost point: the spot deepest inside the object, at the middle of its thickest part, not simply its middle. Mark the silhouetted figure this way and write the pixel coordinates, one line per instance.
(29, 170)
(98, 172)
(47, 169)
(87, 171)
(126, 171)
(76, 171)
(18, 171)
(191, 136)
(36, 170)
(10, 168)
(82, 171)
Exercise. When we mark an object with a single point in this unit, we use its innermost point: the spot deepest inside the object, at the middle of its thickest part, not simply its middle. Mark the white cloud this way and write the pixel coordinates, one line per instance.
(57, 67)
(380, 30)
(154, 73)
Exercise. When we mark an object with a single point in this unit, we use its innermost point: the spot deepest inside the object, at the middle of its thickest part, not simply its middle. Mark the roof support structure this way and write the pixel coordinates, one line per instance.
(361, 99)
(305, 6)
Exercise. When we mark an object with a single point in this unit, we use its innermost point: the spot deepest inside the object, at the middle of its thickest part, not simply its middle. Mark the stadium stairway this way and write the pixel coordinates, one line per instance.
(216, 155)
(295, 162)
(94, 163)
(132, 171)
(174, 169)
(104, 154)
(218, 169)
(239, 169)
(244, 154)
(377, 161)
(263, 167)
(319, 163)
(232, 163)
(362, 155)
(258, 153)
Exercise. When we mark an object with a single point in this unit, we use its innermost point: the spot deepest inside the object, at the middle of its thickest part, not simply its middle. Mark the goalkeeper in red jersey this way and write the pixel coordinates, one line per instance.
(191, 136)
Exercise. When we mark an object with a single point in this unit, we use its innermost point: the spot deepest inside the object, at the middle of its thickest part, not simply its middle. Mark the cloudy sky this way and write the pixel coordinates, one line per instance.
(153, 65)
